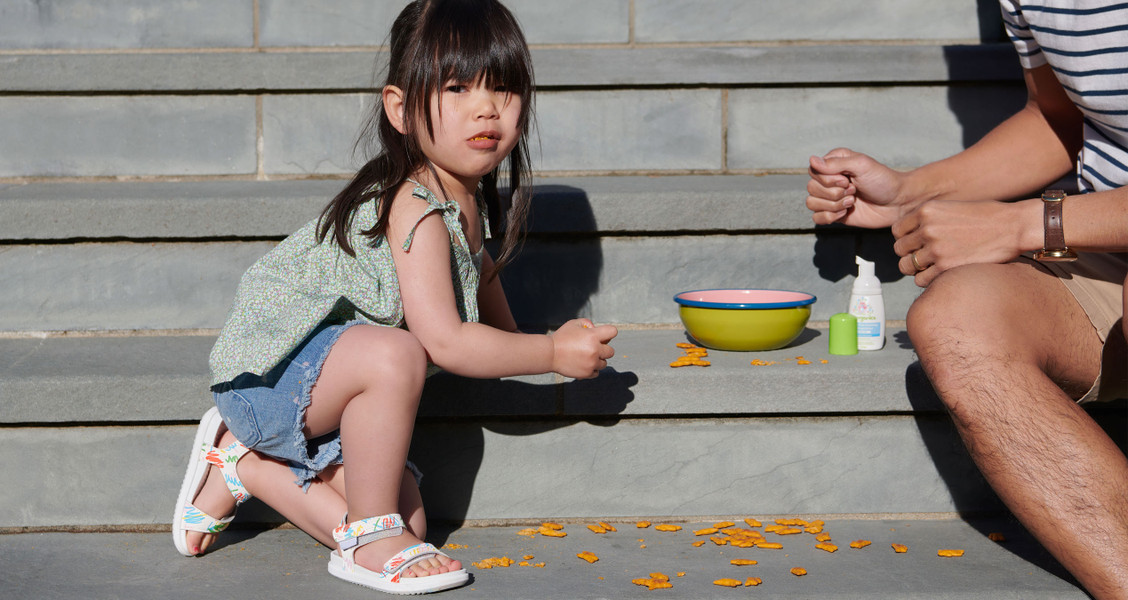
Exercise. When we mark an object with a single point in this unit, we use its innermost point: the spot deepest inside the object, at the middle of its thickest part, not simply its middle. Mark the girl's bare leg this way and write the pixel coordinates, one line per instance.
(312, 511)
(369, 388)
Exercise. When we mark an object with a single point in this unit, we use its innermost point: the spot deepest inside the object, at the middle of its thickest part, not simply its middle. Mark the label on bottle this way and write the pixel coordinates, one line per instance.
(869, 328)
(870, 334)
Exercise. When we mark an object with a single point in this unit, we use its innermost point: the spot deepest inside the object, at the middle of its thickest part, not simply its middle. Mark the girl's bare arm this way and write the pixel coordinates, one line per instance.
(476, 349)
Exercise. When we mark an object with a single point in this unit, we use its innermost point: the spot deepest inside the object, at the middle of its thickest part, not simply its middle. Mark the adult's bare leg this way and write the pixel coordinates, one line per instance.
(1008, 349)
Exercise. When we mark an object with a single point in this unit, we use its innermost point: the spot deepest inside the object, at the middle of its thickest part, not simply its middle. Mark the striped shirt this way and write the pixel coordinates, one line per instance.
(1085, 42)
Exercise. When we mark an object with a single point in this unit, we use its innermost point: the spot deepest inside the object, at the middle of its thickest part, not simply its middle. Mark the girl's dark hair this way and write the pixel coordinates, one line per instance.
(433, 42)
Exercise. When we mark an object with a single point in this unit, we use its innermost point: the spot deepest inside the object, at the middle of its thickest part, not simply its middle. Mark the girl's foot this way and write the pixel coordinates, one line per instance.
(211, 487)
(373, 555)
(408, 565)
(214, 500)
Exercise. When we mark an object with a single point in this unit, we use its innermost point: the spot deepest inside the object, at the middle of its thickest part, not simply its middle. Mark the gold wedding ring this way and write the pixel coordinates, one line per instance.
(916, 265)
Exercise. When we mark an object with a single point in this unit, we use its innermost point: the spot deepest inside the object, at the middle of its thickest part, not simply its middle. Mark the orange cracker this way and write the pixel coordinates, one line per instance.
(588, 556)
(548, 531)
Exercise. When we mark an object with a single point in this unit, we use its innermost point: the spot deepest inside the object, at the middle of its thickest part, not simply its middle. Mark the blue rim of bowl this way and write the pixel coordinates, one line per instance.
(699, 304)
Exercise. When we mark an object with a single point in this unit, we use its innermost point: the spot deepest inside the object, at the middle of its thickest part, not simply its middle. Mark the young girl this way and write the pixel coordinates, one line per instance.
(318, 371)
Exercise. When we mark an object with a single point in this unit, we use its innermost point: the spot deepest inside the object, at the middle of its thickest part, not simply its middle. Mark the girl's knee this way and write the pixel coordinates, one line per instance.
(392, 352)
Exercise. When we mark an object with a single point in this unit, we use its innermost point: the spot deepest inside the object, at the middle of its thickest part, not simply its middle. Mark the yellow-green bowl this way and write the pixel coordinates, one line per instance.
(744, 319)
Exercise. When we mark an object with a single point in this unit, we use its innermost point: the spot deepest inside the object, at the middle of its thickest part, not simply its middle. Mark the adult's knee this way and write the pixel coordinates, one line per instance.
(955, 324)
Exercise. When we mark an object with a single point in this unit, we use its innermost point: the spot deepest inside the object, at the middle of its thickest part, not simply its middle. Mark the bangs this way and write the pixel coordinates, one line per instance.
(467, 51)
(465, 41)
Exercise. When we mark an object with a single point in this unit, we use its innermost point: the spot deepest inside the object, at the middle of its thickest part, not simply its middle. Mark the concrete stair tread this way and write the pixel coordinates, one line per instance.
(256, 209)
(287, 563)
(164, 378)
(351, 70)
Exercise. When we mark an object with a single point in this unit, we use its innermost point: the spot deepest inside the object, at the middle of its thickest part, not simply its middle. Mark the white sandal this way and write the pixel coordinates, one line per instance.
(186, 517)
(350, 536)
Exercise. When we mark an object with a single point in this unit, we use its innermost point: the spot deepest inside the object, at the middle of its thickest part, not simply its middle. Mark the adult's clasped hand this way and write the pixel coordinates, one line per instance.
(916, 264)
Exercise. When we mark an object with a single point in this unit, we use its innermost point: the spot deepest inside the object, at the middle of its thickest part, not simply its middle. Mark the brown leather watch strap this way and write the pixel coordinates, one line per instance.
(1054, 248)
(1055, 233)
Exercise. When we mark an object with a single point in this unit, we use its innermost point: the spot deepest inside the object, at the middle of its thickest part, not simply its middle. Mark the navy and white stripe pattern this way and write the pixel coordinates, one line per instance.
(1086, 44)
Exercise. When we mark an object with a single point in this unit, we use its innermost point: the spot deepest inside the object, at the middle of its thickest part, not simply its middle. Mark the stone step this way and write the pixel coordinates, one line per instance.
(711, 115)
(168, 255)
(561, 67)
(857, 434)
(286, 24)
(641, 439)
(264, 565)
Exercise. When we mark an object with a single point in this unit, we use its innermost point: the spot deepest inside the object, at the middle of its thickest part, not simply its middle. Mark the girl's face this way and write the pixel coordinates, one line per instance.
(475, 128)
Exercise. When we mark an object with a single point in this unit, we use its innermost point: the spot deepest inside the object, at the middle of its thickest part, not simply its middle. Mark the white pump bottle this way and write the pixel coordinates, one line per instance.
(868, 306)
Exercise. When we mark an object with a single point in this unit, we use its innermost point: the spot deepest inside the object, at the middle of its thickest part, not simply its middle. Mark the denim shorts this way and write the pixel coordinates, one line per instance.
(267, 413)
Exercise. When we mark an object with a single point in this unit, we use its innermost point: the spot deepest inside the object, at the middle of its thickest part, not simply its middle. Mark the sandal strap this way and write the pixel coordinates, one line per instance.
(226, 459)
(195, 519)
(350, 536)
(409, 556)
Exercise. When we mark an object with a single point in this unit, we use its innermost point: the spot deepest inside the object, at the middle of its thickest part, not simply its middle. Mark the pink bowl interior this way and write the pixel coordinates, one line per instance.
(744, 296)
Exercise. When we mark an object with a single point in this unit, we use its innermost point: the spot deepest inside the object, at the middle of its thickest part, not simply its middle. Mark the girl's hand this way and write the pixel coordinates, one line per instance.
(580, 348)
(851, 188)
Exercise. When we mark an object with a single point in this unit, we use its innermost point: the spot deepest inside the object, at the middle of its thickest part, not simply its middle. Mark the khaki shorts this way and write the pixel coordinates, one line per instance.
(1096, 280)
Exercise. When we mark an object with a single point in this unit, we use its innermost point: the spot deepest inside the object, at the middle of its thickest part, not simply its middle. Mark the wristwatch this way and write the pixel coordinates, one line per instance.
(1053, 247)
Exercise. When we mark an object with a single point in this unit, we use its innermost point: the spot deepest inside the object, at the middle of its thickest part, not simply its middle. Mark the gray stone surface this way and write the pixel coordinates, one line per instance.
(520, 469)
(291, 23)
(286, 563)
(146, 210)
(75, 24)
(136, 135)
(699, 466)
(576, 131)
(627, 279)
(254, 209)
(904, 126)
(633, 279)
(776, 20)
(157, 378)
(784, 438)
(628, 130)
(313, 134)
(366, 22)
(579, 66)
(123, 285)
(573, 22)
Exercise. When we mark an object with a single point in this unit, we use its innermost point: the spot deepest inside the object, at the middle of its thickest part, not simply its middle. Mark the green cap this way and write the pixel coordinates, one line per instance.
(843, 334)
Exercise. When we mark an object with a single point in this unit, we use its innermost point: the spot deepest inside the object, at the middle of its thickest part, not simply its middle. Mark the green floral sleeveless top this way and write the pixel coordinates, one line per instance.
(300, 283)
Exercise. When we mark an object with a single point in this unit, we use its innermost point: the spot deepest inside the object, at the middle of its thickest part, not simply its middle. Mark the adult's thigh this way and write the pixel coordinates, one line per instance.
(1011, 316)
